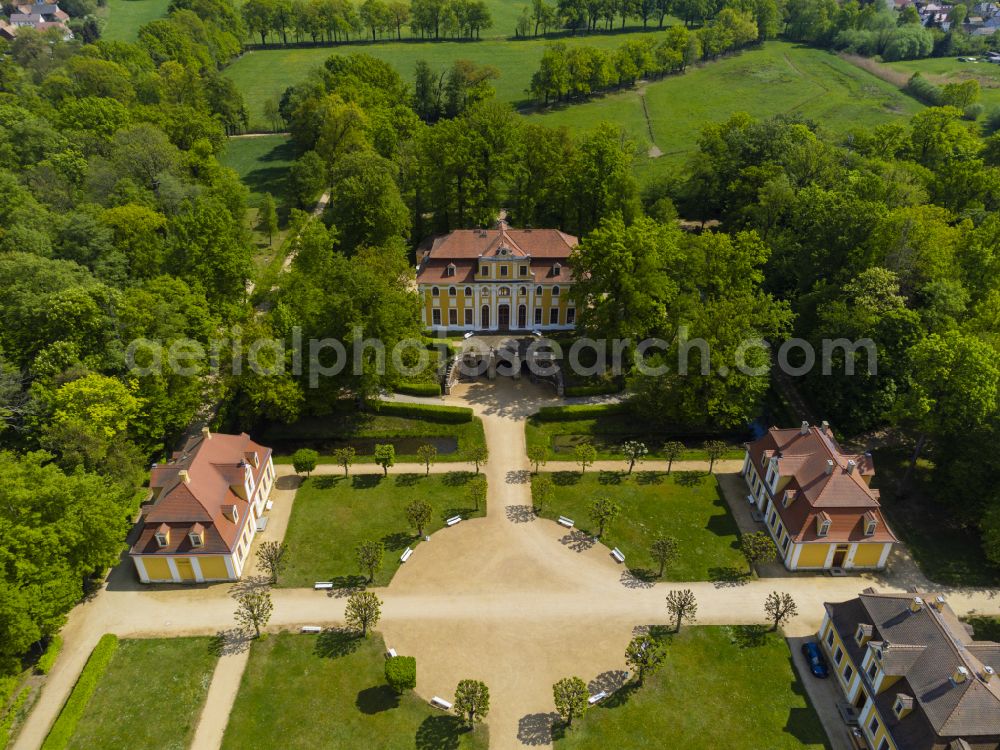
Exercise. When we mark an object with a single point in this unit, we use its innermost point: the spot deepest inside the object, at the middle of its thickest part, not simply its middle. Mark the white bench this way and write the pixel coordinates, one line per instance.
(567, 522)
(751, 500)
(617, 554)
(453, 520)
(391, 653)
(323, 585)
(440, 703)
(597, 697)
(270, 504)
(406, 555)
(312, 629)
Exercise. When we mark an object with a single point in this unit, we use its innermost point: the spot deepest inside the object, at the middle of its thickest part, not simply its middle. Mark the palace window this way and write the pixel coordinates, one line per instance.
(873, 726)
(538, 291)
(484, 269)
(538, 316)
(468, 291)
(435, 292)
(554, 316)
(450, 271)
(435, 317)
(884, 744)
(162, 539)
(523, 291)
(452, 291)
(524, 270)
(870, 524)
(503, 291)
(196, 539)
(453, 317)
(571, 316)
(829, 638)
(468, 317)
(555, 291)
(503, 270)
(838, 655)
(872, 671)
(848, 673)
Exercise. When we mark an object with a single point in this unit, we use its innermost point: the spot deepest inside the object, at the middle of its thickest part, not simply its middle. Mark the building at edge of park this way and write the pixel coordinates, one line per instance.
(816, 500)
(204, 508)
(498, 279)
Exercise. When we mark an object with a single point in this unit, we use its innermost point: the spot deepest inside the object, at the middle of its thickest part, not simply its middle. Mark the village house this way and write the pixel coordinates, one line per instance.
(913, 672)
(498, 279)
(816, 500)
(205, 508)
(39, 16)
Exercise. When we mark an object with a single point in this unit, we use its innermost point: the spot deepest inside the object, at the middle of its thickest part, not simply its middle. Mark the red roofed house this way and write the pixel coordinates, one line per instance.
(816, 500)
(498, 279)
(206, 502)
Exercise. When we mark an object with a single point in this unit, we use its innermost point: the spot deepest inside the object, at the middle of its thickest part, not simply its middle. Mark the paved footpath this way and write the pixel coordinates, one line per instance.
(516, 601)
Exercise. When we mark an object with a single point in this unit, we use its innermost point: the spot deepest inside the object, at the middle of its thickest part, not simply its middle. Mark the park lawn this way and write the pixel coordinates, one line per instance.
(123, 18)
(718, 687)
(333, 514)
(607, 434)
(947, 552)
(265, 74)
(325, 434)
(150, 696)
(262, 164)
(329, 691)
(775, 78)
(688, 506)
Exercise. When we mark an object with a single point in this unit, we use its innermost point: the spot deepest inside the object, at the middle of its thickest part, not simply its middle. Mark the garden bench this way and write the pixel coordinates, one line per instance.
(597, 697)
(323, 585)
(453, 520)
(751, 500)
(261, 523)
(312, 629)
(269, 504)
(440, 703)
(391, 653)
(567, 522)
(617, 554)
(406, 555)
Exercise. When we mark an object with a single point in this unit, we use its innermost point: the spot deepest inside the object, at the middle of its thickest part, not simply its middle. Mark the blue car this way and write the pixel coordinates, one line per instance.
(817, 664)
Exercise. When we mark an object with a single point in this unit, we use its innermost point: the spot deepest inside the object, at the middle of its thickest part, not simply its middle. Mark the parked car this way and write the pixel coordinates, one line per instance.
(813, 655)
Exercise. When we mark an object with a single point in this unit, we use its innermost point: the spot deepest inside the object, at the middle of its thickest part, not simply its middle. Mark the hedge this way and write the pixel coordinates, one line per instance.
(429, 412)
(65, 726)
(603, 389)
(401, 673)
(419, 389)
(47, 659)
(7, 722)
(579, 411)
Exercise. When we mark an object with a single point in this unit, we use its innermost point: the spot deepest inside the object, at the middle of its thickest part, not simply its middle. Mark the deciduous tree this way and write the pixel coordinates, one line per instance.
(428, 454)
(603, 511)
(344, 457)
(664, 550)
(363, 611)
(369, 554)
(472, 701)
(780, 608)
(681, 605)
(634, 451)
(570, 695)
(271, 558)
(385, 456)
(585, 454)
(304, 461)
(253, 609)
(418, 513)
(644, 656)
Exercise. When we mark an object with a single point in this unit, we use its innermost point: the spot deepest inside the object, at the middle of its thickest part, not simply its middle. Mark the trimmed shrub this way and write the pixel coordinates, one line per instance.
(579, 411)
(47, 659)
(419, 389)
(922, 89)
(401, 673)
(65, 726)
(429, 412)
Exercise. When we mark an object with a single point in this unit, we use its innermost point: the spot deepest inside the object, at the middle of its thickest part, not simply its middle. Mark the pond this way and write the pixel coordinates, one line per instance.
(404, 446)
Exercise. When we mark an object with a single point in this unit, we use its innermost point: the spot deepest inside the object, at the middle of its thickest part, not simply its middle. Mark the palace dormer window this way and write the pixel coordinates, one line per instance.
(524, 270)
(823, 522)
(162, 538)
(450, 270)
(484, 269)
(871, 524)
(556, 269)
(197, 535)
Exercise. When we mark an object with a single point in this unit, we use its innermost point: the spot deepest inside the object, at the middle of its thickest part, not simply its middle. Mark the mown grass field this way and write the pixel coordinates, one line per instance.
(719, 687)
(264, 74)
(150, 696)
(329, 691)
(124, 17)
(777, 78)
(687, 506)
(333, 514)
(262, 164)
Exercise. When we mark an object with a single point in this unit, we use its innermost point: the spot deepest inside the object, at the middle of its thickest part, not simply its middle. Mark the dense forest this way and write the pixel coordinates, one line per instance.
(119, 224)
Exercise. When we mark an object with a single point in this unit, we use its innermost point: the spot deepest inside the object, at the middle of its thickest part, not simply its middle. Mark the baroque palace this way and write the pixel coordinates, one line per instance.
(498, 279)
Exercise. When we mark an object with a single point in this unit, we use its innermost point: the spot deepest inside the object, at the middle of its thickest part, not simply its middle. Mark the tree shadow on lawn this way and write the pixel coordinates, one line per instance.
(375, 700)
(366, 481)
(407, 480)
(649, 477)
(721, 524)
(803, 723)
(456, 478)
(231, 641)
(440, 733)
(728, 577)
(329, 481)
(336, 642)
(749, 636)
(621, 696)
(344, 586)
(565, 478)
(688, 478)
(290, 482)
(398, 540)
(610, 477)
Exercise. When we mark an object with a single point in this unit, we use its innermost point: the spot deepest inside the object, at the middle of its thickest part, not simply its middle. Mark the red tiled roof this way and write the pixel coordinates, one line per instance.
(473, 243)
(820, 479)
(214, 465)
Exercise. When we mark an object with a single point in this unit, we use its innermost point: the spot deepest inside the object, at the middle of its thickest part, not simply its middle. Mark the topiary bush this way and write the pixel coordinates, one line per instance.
(419, 389)
(429, 412)
(401, 673)
(579, 411)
